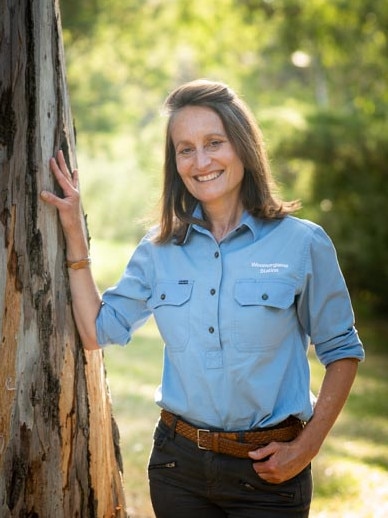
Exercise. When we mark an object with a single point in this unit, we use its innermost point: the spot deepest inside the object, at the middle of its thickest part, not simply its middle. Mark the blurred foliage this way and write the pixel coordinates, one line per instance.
(347, 156)
(314, 73)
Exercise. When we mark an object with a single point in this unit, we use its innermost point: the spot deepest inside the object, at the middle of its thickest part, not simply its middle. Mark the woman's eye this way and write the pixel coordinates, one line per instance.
(214, 144)
(186, 151)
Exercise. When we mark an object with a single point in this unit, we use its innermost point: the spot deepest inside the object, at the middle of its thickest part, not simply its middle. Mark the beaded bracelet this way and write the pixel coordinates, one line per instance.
(81, 263)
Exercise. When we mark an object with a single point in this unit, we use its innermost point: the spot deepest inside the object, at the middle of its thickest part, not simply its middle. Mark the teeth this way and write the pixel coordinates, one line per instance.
(208, 177)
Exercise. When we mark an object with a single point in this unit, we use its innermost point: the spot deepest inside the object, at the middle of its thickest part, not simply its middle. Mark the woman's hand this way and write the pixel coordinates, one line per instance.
(69, 207)
(280, 461)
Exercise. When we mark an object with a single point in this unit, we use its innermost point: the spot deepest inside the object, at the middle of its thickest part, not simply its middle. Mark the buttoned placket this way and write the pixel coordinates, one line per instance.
(213, 349)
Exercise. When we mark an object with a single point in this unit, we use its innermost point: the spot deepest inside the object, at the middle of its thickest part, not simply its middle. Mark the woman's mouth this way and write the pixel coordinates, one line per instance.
(208, 177)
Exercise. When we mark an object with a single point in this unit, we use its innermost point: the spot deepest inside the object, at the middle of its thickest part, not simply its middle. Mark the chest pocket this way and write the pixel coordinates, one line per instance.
(264, 314)
(170, 304)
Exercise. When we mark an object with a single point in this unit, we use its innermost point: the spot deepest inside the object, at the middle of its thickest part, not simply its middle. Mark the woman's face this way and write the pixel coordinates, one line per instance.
(206, 160)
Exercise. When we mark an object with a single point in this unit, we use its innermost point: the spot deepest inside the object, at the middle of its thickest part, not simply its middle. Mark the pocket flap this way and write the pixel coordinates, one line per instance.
(171, 293)
(264, 293)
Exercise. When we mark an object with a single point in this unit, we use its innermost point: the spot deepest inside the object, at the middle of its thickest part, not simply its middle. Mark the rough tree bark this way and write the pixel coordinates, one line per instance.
(58, 441)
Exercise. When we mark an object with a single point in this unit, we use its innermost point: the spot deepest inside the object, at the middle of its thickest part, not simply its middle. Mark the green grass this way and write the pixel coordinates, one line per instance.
(350, 472)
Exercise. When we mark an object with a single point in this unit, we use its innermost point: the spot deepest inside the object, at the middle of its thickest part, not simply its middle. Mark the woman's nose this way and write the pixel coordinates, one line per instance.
(202, 158)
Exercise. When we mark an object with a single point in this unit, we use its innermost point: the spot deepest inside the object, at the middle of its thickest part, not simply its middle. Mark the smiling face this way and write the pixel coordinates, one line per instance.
(206, 160)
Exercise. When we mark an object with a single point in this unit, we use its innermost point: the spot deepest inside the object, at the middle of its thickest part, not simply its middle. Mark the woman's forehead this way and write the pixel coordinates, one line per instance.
(195, 121)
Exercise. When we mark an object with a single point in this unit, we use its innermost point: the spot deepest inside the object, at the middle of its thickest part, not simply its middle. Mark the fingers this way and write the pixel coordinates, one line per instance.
(50, 198)
(263, 466)
(261, 453)
(67, 181)
(277, 462)
(75, 178)
(59, 168)
(62, 163)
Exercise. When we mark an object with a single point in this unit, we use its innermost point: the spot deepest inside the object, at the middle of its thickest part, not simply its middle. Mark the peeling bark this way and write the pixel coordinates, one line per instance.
(58, 443)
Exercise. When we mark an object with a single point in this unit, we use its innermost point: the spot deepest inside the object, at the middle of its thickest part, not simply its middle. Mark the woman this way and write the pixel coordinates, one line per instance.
(238, 287)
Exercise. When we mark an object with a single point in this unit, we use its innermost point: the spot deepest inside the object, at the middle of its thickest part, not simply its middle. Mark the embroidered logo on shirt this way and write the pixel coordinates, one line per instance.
(269, 267)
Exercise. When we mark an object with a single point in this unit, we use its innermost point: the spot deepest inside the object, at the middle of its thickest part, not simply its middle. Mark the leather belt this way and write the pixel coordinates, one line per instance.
(236, 444)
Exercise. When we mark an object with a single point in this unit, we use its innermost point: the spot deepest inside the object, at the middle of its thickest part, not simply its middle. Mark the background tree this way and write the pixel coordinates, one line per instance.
(58, 444)
(340, 151)
(313, 72)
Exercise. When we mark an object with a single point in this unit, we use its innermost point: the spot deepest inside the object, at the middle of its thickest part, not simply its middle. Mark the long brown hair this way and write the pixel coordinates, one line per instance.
(258, 187)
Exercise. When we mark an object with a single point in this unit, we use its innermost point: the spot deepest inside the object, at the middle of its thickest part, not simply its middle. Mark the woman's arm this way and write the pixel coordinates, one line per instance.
(86, 299)
(285, 460)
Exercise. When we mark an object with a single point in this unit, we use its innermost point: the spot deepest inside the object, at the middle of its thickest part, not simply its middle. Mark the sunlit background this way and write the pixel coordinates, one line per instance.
(315, 75)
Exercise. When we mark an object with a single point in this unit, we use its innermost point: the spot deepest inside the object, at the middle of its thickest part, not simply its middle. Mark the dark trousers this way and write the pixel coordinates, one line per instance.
(187, 482)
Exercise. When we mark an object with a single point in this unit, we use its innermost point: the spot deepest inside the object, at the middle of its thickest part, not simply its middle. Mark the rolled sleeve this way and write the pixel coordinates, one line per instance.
(111, 328)
(115, 328)
(340, 347)
(324, 305)
(124, 307)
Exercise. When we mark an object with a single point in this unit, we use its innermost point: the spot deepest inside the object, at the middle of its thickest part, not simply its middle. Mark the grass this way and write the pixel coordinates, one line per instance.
(351, 471)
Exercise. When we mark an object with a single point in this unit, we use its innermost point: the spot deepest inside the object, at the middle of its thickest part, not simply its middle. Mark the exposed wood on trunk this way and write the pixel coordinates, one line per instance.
(58, 456)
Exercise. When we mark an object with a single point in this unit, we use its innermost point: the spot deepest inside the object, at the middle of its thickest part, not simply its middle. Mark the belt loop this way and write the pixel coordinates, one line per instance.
(216, 442)
(171, 431)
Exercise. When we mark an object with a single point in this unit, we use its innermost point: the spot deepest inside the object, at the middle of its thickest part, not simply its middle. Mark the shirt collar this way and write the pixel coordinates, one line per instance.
(197, 213)
(254, 224)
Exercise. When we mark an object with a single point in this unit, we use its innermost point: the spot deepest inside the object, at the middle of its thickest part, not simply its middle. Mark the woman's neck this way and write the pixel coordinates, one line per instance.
(223, 219)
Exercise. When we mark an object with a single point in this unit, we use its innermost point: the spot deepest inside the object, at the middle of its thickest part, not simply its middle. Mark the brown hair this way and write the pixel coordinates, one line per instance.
(258, 187)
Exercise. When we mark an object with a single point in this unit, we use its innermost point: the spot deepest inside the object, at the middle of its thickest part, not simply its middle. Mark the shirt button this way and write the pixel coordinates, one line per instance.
(211, 330)
(217, 254)
(212, 291)
(264, 296)
(163, 296)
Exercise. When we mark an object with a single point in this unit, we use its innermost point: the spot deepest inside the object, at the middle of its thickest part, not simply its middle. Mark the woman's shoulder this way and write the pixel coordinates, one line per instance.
(304, 230)
(302, 225)
(307, 231)
(150, 239)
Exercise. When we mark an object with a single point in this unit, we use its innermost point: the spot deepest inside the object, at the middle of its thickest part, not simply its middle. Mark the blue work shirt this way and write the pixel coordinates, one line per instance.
(237, 318)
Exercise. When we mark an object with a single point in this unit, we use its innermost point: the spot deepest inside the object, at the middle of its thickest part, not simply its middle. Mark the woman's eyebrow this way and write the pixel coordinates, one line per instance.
(207, 136)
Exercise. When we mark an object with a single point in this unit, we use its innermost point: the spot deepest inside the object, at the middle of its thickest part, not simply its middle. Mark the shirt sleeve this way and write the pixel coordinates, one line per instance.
(324, 305)
(124, 307)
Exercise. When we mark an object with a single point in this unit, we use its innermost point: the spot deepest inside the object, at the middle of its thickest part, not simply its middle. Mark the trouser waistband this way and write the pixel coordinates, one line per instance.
(236, 444)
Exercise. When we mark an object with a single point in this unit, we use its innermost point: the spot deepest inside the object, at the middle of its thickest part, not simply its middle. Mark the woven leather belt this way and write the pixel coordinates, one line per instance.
(236, 444)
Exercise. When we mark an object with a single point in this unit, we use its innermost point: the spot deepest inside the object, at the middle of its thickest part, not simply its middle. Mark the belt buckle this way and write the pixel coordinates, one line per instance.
(199, 431)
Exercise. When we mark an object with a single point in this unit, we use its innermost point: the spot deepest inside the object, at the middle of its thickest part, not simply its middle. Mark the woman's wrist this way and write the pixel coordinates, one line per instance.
(76, 246)
(79, 264)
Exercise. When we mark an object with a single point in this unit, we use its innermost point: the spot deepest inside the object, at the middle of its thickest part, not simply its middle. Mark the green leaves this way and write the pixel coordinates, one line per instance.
(313, 72)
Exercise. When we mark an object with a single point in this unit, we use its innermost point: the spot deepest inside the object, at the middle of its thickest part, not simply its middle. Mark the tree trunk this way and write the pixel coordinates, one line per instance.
(59, 455)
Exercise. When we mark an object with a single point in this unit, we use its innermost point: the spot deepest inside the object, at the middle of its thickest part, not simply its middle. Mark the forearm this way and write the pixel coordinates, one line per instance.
(86, 302)
(86, 299)
(334, 392)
